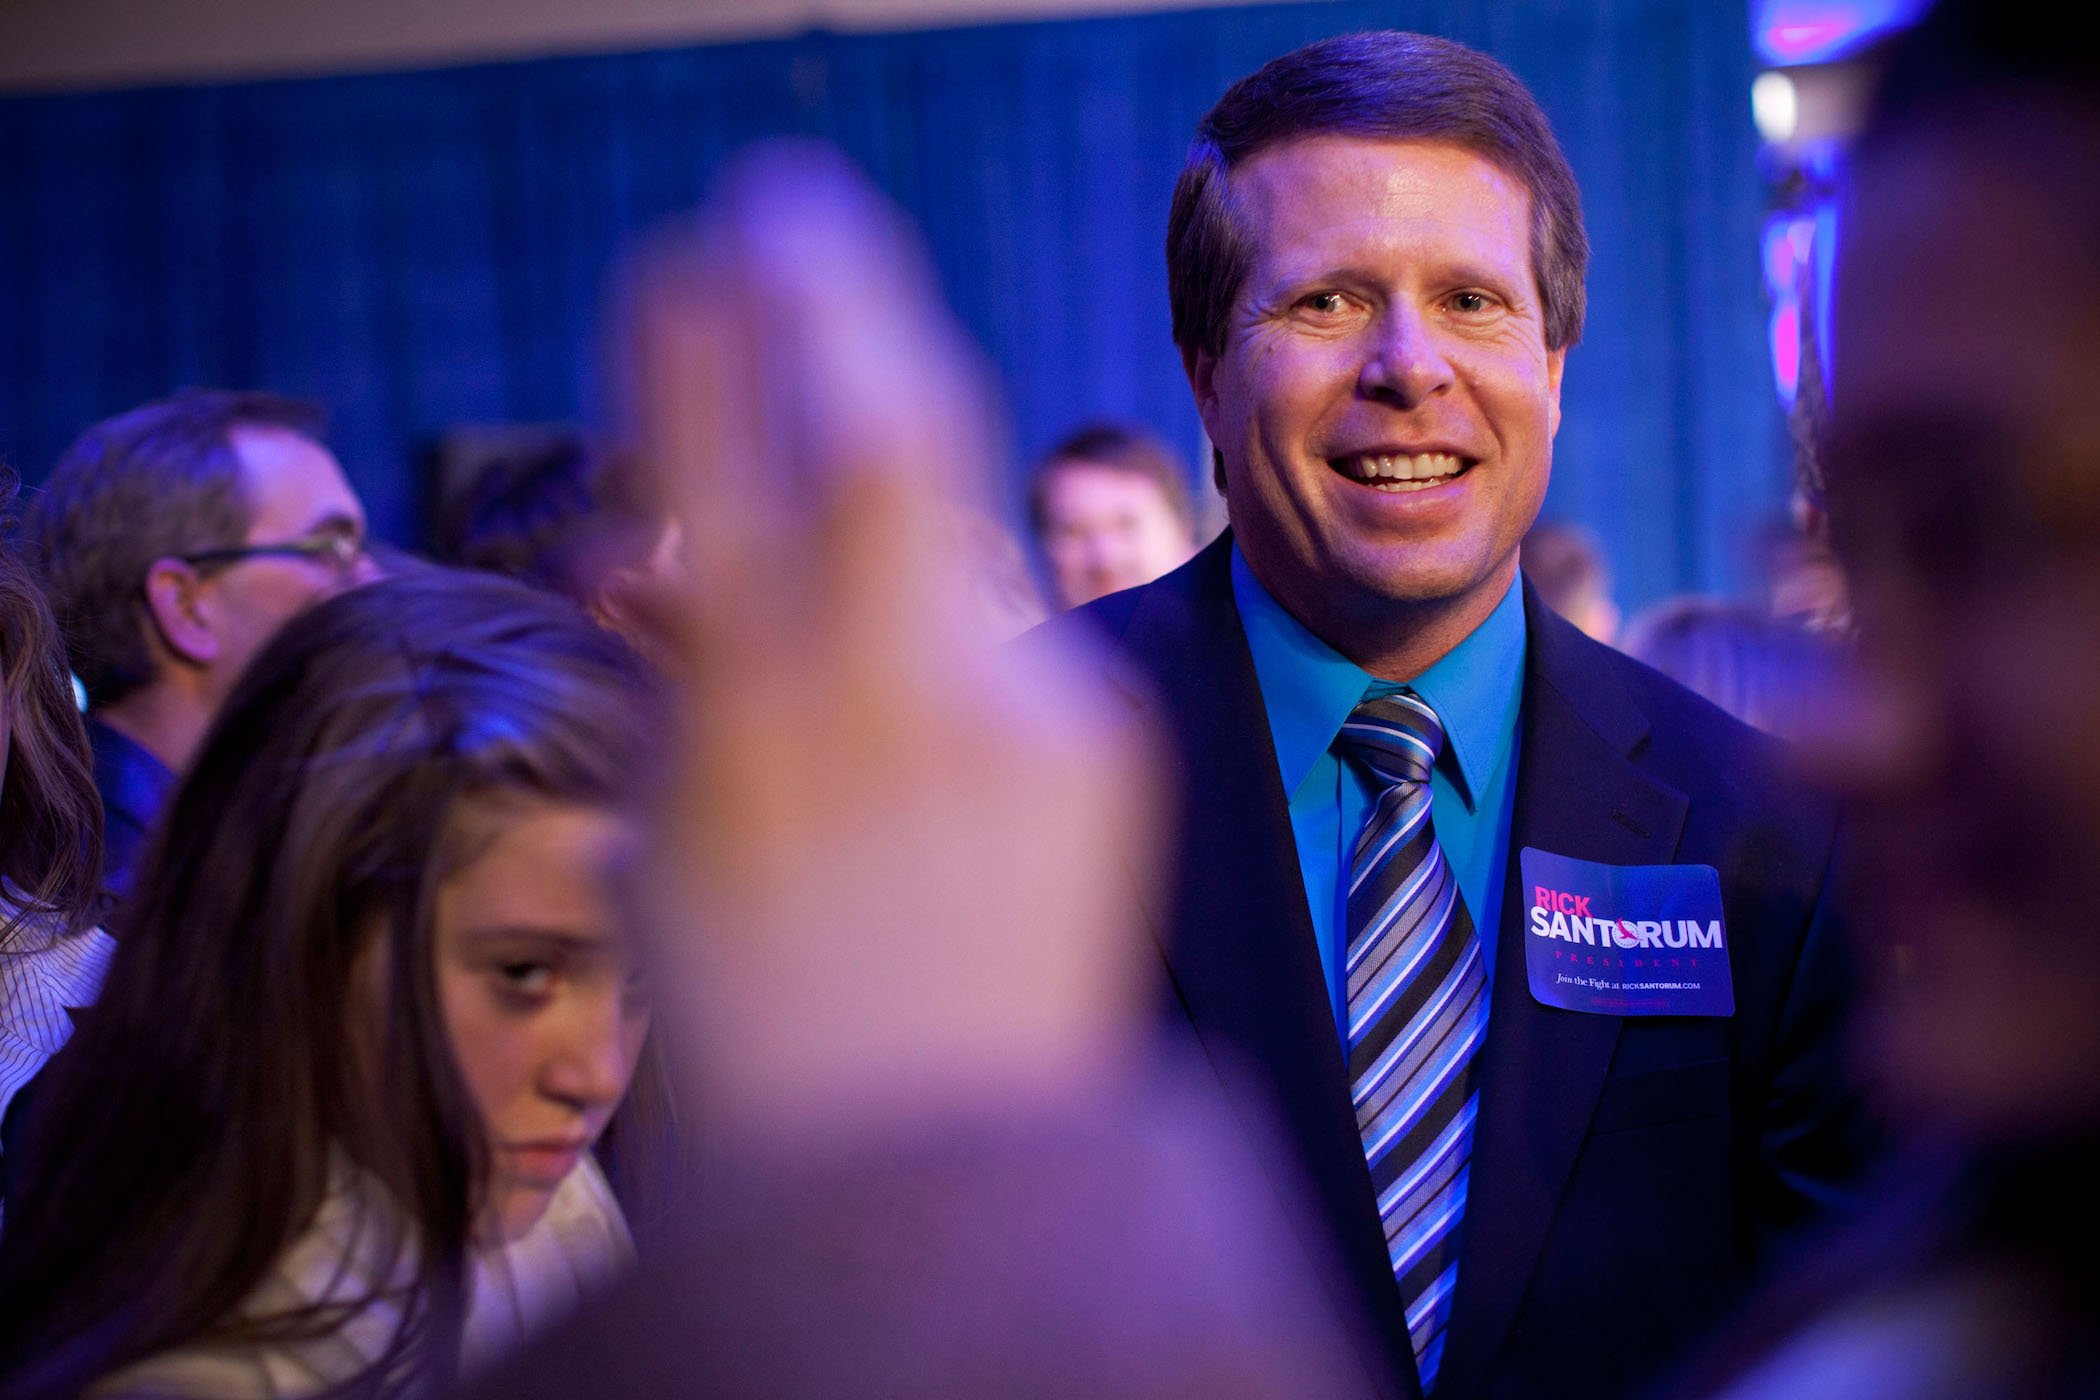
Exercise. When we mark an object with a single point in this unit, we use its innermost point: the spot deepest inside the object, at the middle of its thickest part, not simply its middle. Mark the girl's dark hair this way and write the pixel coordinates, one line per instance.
(50, 813)
(187, 1138)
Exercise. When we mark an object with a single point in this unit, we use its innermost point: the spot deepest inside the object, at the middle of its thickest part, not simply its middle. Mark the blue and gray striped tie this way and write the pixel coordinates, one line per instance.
(1417, 980)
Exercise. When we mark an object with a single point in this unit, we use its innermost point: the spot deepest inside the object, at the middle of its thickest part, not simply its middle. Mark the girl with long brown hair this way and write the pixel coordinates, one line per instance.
(51, 957)
(330, 1127)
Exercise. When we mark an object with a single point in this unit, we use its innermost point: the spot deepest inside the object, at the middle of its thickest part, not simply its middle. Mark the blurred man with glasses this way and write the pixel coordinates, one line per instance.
(176, 539)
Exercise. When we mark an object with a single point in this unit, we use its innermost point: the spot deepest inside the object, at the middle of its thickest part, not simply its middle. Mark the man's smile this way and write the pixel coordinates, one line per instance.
(1398, 471)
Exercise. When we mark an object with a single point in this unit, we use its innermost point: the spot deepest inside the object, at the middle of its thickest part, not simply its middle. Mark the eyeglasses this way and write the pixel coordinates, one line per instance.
(338, 549)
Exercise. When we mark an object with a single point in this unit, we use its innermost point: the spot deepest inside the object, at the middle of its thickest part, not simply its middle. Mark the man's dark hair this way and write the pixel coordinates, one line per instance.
(1123, 448)
(160, 481)
(1382, 85)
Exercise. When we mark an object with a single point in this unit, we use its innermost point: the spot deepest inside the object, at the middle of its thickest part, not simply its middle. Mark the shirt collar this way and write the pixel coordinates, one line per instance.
(1309, 688)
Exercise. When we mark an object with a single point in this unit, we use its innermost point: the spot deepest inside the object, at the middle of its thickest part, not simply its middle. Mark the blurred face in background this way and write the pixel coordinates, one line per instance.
(1965, 490)
(540, 994)
(1107, 529)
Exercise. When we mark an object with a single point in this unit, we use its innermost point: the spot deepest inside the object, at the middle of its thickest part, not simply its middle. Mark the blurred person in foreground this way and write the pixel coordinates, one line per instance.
(329, 1127)
(1110, 509)
(892, 933)
(999, 574)
(1804, 582)
(565, 516)
(1442, 849)
(175, 540)
(1768, 672)
(52, 957)
(1963, 474)
(1566, 564)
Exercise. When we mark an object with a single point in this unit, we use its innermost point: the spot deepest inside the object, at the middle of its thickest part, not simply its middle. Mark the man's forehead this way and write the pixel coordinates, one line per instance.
(1333, 186)
(286, 474)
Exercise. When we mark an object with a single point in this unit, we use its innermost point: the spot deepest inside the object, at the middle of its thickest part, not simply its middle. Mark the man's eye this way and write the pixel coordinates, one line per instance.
(1471, 303)
(1325, 303)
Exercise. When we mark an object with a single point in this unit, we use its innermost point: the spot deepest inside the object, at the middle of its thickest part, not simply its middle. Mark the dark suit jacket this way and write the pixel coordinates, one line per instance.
(134, 786)
(1627, 1171)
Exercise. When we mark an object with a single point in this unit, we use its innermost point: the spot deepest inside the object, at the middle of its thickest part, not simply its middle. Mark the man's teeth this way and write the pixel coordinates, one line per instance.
(1403, 473)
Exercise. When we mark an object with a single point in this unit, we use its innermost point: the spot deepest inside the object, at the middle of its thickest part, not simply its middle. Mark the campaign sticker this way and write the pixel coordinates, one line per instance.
(1625, 940)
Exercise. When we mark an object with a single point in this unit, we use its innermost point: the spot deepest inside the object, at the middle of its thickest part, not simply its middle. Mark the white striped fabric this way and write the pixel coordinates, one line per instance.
(41, 977)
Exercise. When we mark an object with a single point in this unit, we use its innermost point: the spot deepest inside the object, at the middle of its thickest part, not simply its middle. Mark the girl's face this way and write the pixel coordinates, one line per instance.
(540, 994)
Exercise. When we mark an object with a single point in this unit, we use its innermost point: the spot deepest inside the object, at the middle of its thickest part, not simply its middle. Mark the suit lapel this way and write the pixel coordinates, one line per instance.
(1239, 940)
(1578, 794)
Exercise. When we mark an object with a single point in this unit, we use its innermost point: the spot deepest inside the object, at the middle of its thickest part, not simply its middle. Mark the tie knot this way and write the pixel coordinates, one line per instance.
(1396, 736)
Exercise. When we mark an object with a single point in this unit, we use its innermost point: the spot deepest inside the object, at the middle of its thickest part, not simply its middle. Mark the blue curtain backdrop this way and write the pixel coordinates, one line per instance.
(426, 248)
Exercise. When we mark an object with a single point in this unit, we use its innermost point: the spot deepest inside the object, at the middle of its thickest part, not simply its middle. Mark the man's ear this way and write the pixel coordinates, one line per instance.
(180, 614)
(1556, 361)
(1201, 366)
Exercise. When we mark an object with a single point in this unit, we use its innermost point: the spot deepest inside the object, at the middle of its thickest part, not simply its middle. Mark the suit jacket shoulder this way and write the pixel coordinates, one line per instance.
(1665, 726)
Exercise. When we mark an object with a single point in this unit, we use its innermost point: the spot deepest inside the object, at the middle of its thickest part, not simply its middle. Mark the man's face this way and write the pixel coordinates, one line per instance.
(1385, 402)
(1106, 529)
(1965, 487)
(294, 491)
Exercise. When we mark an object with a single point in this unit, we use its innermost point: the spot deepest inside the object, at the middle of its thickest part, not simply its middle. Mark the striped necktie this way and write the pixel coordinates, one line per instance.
(1417, 979)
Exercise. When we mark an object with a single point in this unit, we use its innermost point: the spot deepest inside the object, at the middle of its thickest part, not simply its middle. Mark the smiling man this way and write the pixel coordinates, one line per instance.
(176, 539)
(1542, 1164)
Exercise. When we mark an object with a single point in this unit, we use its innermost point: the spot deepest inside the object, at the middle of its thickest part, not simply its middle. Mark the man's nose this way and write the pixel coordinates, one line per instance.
(1404, 362)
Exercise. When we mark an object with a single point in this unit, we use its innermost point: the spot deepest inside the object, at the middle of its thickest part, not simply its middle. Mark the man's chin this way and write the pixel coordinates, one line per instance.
(1349, 580)
(1416, 578)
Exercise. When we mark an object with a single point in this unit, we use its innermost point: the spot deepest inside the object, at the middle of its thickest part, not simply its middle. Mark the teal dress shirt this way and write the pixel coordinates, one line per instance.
(1309, 688)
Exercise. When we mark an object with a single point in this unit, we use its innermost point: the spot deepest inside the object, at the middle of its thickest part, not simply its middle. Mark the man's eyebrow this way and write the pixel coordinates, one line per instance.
(1288, 273)
(1519, 279)
(1457, 272)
